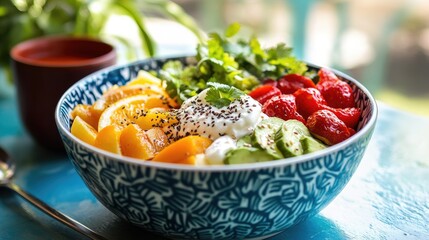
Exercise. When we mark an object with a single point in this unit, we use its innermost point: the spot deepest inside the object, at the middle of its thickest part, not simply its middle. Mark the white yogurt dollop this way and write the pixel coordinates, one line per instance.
(198, 117)
(216, 152)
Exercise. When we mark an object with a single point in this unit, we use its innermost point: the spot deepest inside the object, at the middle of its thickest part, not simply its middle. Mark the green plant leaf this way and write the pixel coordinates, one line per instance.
(21, 20)
(128, 49)
(176, 13)
(54, 18)
(232, 30)
(221, 95)
(82, 19)
(132, 11)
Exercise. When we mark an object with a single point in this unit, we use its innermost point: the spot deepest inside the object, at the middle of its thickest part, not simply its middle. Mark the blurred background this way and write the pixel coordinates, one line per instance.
(383, 44)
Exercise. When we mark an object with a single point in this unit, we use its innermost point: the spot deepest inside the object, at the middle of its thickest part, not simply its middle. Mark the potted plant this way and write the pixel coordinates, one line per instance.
(22, 20)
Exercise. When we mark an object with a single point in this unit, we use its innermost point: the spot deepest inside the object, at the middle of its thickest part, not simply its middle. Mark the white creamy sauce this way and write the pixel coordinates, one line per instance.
(198, 117)
(216, 152)
(200, 160)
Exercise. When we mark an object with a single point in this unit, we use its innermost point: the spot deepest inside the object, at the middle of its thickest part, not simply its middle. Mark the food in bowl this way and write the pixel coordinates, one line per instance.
(181, 116)
(141, 120)
(236, 201)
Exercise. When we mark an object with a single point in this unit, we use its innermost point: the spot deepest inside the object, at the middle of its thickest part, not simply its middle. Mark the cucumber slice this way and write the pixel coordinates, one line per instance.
(264, 136)
(310, 144)
(245, 141)
(288, 138)
(247, 155)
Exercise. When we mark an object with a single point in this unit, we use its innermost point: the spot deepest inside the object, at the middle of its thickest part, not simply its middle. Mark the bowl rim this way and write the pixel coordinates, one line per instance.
(217, 168)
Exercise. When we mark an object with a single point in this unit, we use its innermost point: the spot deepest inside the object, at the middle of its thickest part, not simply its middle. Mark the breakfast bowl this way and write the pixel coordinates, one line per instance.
(240, 201)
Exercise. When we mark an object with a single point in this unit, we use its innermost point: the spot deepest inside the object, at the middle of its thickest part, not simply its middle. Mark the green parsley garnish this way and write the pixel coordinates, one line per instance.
(230, 61)
(221, 95)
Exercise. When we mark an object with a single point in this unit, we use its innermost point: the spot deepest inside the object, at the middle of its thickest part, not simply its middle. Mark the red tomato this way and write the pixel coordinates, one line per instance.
(308, 100)
(352, 131)
(327, 127)
(337, 93)
(270, 81)
(264, 92)
(326, 75)
(350, 116)
(291, 82)
(283, 107)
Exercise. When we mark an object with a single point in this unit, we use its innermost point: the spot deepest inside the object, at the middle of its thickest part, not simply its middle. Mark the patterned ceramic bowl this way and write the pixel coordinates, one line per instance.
(215, 202)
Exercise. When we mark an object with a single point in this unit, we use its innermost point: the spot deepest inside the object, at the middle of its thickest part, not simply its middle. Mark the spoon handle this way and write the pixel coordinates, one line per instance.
(78, 227)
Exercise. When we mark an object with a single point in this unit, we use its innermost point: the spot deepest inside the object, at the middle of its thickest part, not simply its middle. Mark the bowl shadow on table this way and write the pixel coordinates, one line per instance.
(316, 227)
(117, 227)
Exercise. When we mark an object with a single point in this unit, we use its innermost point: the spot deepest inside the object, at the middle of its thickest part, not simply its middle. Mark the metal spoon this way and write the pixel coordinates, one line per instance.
(7, 169)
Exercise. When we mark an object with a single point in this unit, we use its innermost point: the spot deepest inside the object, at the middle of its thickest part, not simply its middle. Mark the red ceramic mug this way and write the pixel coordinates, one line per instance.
(44, 68)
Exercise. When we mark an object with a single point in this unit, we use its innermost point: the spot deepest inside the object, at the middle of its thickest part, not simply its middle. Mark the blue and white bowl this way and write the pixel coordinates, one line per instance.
(212, 202)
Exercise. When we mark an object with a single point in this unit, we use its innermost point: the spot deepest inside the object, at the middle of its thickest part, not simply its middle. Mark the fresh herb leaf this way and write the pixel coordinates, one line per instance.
(221, 95)
(257, 49)
(279, 51)
(232, 30)
(181, 82)
(235, 62)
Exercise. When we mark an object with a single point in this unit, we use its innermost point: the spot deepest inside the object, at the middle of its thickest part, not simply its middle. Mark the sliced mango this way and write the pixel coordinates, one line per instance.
(144, 77)
(141, 144)
(87, 113)
(109, 139)
(135, 143)
(184, 150)
(83, 130)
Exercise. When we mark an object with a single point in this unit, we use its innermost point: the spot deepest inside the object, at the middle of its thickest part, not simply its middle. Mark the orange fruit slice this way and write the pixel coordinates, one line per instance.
(83, 130)
(126, 111)
(156, 117)
(117, 93)
(144, 77)
(123, 112)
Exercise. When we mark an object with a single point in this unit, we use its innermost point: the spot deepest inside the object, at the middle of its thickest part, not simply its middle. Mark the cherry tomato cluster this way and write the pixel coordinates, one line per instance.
(327, 108)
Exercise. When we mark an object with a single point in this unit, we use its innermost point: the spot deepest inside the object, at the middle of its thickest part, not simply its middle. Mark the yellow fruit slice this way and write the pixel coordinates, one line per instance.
(141, 144)
(159, 102)
(116, 93)
(144, 77)
(109, 139)
(123, 112)
(156, 117)
(135, 143)
(87, 113)
(184, 150)
(126, 111)
(83, 130)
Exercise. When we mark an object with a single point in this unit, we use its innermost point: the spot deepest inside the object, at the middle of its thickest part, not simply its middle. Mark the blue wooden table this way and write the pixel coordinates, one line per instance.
(387, 198)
